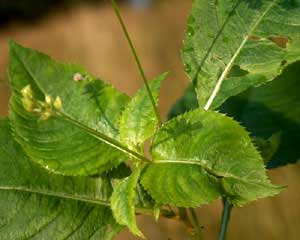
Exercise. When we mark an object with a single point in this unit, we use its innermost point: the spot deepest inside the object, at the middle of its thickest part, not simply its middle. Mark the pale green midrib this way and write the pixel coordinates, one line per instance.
(56, 194)
(104, 138)
(211, 171)
(66, 196)
(231, 62)
(92, 132)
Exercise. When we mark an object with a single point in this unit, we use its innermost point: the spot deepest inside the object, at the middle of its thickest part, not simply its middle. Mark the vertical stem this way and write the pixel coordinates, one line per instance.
(183, 215)
(192, 225)
(225, 218)
(197, 225)
(137, 60)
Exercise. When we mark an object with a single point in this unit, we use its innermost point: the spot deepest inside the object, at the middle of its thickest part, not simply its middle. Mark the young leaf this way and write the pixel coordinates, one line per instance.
(122, 202)
(272, 114)
(138, 121)
(90, 106)
(201, 155)
(252, 38)
(36, 204)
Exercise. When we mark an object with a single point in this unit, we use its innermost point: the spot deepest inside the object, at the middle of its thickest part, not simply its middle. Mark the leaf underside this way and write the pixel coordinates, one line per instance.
(233, 45)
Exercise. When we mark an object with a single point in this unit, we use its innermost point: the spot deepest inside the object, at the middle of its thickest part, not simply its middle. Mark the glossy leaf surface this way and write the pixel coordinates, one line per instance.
(232, 45)
(201, 155)
(56, 144)
(36, 204)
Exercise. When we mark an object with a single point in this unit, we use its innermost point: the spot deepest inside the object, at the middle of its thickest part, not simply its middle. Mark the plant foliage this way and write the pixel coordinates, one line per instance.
(232, 45)
(72, 153)
(36, 204)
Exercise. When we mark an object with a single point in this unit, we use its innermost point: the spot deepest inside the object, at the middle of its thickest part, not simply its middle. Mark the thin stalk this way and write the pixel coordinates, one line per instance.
(110, 141)
(184, 218)
(197, 225)
(225, 219)
(137, 60)
(191, 223)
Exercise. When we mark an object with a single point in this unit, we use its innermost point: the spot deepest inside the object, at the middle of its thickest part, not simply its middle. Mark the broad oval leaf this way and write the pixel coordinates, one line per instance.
(36, 204)
(205, 154)
(123, 200)
(272, 114)
(182, 185)
(138, 121)
(232, 45)
(65, 147)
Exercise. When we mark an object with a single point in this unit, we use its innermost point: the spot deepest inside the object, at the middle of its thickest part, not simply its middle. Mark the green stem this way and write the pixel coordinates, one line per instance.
(191, 223)
(225, 218)
(137, 60)
(197, 225)
(183, 216)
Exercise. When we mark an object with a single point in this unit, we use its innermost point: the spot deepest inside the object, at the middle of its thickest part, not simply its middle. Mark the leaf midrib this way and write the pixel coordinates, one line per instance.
(210, 171)
(231, 62)
(98, 135)
(57, 194)
(62, 195)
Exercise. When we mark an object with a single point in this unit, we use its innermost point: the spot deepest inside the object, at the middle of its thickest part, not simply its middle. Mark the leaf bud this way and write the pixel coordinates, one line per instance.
(48, 99)
(57, 103)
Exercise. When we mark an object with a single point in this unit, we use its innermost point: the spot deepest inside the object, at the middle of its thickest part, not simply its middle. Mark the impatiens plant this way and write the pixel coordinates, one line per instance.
(73, 161)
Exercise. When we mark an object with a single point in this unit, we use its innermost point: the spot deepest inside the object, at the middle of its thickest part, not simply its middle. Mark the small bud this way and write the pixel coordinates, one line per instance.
(57, 103)
(27, 99)
(46, 115)
(48, 100)
(78, 77)
(37, 110)
(27, 92)
(28, 104)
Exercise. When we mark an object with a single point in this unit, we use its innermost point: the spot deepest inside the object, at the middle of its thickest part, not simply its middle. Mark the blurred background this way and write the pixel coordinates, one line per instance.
(87, 33)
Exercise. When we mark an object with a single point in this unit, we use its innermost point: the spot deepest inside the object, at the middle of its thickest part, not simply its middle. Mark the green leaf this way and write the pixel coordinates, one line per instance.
(138, 121)
(122, 202)
(65, 143)
(201, 155)
(231, 45)
(187, 102)
(36, 204)
(272, 114)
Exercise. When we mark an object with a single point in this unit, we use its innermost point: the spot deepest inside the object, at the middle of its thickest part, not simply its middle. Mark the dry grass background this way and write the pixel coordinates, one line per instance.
(91, 36)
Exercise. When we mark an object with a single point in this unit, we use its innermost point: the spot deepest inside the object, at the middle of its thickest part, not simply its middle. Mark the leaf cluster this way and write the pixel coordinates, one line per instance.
(72, 151)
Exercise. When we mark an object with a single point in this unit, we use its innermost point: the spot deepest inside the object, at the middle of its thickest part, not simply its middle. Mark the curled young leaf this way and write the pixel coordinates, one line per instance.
(123, 200)
(138, 121)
